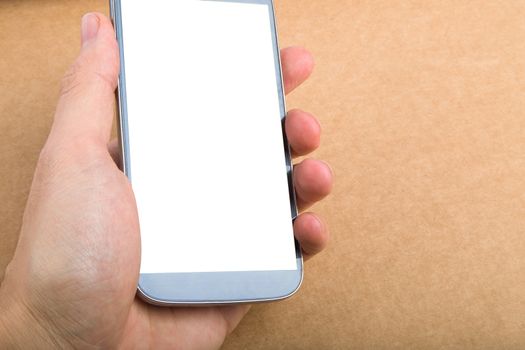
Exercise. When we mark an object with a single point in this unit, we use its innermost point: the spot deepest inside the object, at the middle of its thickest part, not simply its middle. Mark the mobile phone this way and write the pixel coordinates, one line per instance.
(202, 112)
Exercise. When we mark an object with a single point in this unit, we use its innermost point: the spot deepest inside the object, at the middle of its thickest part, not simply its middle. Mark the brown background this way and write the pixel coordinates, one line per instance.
(423, 109)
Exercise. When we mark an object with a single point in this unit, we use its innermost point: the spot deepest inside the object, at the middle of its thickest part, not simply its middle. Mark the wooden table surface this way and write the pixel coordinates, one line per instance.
(423, 109)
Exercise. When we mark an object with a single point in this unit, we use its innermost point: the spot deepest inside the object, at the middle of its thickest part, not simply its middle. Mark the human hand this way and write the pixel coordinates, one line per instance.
(73, 278)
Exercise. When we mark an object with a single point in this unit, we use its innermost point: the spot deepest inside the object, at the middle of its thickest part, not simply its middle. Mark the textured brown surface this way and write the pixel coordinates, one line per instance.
(423, 108)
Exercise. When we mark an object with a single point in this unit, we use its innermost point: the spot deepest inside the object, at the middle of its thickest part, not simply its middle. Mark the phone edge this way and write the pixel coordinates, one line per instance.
(124, 146)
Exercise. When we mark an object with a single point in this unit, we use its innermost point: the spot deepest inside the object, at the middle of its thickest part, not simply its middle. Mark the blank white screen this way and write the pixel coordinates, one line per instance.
(207, 156)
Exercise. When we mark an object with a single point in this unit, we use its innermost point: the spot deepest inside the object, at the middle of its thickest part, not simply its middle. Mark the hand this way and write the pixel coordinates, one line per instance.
(73, 278)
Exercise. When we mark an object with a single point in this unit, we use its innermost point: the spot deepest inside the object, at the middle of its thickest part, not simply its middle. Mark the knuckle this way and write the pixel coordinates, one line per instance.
(76, 155)
(86, 70)
(72, 79)
(48, 161)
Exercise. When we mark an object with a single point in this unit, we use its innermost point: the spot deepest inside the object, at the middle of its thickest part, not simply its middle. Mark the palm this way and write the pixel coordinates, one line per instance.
(196, 328)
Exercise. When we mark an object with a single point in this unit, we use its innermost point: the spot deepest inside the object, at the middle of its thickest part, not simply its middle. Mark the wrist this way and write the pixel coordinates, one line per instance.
(19, 328)
(9, 324)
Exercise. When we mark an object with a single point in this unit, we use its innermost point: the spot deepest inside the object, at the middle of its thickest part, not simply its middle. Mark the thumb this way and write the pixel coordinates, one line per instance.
(87, 100)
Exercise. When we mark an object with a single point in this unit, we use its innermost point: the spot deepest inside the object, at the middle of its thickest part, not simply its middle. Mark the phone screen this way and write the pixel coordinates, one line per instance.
(204, 124)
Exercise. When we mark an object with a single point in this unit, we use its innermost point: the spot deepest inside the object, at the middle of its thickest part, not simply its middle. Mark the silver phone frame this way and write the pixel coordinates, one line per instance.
(125, 163)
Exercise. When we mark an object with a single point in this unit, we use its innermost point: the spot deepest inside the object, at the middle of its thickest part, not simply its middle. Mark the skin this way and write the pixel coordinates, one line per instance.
(73, 278)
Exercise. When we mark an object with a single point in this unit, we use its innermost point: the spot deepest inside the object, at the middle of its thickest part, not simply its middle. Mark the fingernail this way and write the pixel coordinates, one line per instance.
(329, 167)
(90, 25)
(319, 226)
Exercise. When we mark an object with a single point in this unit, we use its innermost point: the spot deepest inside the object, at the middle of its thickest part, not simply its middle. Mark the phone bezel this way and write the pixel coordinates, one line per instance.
(211, 288)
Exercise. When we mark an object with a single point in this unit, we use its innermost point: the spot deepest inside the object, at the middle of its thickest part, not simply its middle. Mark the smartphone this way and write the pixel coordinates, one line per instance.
(202, 113)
